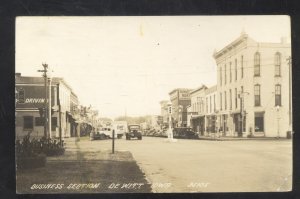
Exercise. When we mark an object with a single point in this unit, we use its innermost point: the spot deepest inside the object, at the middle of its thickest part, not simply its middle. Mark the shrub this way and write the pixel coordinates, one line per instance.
(51, 147)
(33, 147)
(28, 154)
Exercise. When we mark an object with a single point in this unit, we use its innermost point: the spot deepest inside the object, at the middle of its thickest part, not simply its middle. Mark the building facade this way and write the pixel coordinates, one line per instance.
(30, 103)
(164, 113)
(211, 110)
(180, 99)
(197, 110)
(253, 84)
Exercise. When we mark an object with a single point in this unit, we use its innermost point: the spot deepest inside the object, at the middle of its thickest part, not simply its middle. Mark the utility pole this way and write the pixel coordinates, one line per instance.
(49, 109)
(45, 101)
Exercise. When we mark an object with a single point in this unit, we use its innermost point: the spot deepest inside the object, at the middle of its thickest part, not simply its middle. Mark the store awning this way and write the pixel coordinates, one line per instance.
(197, 117)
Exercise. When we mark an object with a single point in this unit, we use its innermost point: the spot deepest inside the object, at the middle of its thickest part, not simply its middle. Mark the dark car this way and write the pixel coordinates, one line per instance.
(184, 132)
(134, 131)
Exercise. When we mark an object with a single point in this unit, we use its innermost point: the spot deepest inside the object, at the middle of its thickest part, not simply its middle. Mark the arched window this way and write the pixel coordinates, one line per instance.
(257, 64)
(277, 64)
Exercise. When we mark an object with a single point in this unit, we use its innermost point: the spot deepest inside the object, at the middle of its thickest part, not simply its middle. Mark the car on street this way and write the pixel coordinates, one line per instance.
(134, 131)
(120, 128)
(102, 134)
(184, 132)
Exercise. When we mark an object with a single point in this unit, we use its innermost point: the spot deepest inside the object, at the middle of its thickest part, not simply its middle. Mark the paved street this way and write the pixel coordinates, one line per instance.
(208, 166)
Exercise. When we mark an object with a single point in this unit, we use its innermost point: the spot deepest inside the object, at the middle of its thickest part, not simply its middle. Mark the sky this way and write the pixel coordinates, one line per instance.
(127, 65)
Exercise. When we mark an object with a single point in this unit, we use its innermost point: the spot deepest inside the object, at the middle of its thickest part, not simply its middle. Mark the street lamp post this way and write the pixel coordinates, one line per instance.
(170, 131)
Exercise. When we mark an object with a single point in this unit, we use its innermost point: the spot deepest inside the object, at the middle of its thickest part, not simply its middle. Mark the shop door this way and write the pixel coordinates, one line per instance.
(259, 122)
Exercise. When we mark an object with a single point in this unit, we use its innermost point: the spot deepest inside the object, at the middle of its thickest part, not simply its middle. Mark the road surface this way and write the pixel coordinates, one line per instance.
(208, 166)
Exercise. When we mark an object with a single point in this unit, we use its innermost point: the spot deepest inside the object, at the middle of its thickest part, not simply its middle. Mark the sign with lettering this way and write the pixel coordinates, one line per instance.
(30, 96)
(184, 95)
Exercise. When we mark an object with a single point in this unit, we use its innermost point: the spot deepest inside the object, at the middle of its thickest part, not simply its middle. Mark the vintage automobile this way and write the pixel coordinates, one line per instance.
(134, 131)
(102, 134)
(184, 132)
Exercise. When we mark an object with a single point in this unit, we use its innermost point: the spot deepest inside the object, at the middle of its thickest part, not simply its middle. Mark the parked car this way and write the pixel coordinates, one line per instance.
(184, 132)
(134, 131)
(102, 134)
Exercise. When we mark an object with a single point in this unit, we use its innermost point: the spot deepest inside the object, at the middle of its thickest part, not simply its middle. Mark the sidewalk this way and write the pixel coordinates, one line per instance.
(80, 171)
(231, 138)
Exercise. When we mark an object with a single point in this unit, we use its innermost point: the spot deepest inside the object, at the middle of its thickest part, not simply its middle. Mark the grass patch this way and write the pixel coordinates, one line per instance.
(74, 176)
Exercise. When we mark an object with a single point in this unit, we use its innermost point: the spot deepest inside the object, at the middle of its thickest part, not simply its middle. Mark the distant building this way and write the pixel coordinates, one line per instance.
(156, 122)
(180, 99)
(164, 111)
(255, 76)
(30, 98)
(197, 112)
(211, 110)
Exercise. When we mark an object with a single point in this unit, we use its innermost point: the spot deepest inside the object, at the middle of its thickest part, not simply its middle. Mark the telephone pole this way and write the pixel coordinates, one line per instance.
(45, 101)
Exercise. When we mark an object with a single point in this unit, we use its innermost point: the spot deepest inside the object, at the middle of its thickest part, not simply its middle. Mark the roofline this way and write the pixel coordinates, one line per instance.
(179, 89)
(237, 41)
(198, 89)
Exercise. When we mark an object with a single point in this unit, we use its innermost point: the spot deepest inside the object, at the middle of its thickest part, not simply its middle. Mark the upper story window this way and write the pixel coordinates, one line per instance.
(235, 97)
(257, 64)
(257, 95)
(277, 64)
(221, 76)
(242, 66)
(210, 104)
(214, 103)
(225, 74)
(230, 73)
(278, 95)
(235, 69)
(225, 98)
(220, 101)
(206, 105)
(230, 100)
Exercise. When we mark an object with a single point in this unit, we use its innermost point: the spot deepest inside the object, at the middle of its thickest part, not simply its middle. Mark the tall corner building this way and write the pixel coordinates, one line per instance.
(254, 88)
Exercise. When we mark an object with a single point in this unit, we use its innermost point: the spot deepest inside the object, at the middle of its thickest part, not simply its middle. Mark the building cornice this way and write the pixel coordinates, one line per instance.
(230, 46)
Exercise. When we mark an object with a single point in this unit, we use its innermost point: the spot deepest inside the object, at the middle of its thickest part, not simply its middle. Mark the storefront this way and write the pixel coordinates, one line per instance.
(30, 108)
(211, 124)
(259, 123)
(30, 112)
(198, 124)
